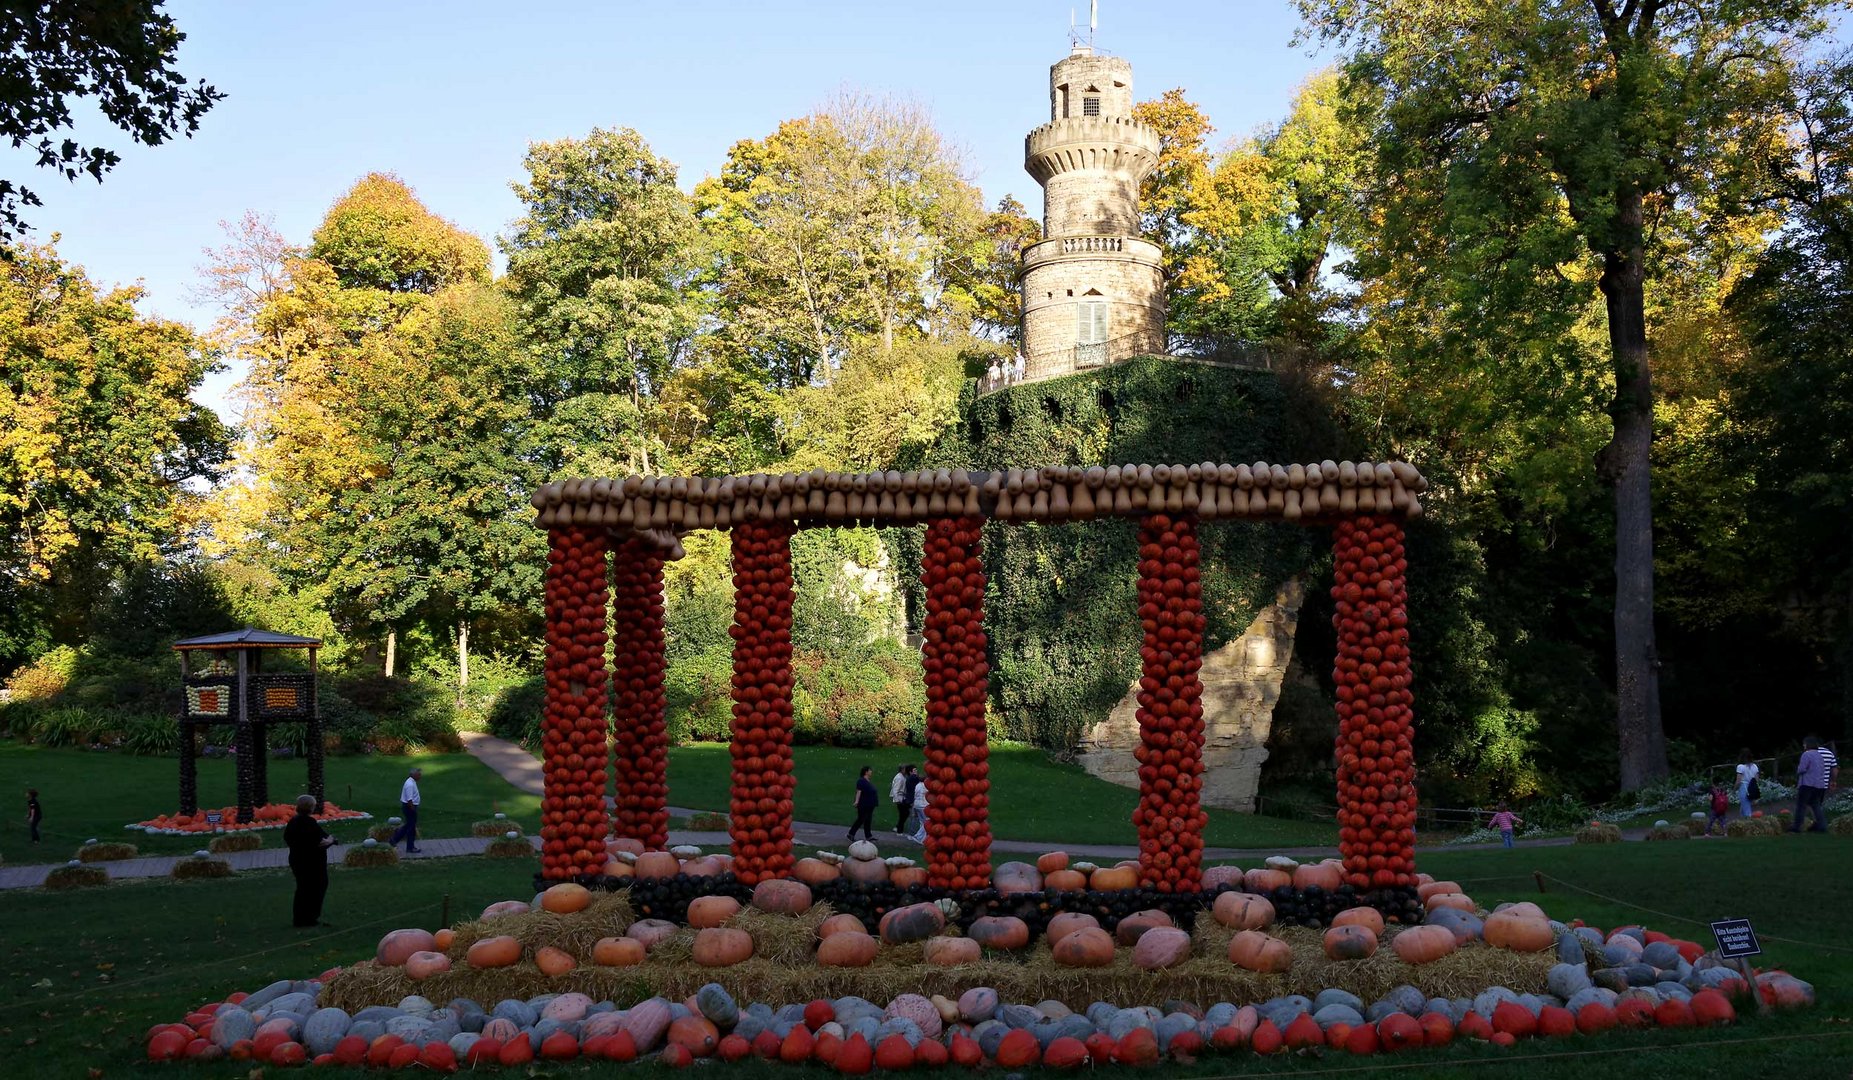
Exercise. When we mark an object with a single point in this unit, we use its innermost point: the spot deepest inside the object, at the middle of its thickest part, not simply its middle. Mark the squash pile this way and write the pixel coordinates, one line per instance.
(1170, 816)
(573, 821)
(958, 828)
(1376, 761)
(269, 816)
(639, 732)
(762, 681)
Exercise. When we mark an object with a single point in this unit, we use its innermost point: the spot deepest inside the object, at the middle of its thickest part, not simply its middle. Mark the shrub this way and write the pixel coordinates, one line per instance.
(107, 851)
(238, 841)
(515, 713)
(76, 877)
(196, 868)
(44, 678)
(368, 855)
(395, 716)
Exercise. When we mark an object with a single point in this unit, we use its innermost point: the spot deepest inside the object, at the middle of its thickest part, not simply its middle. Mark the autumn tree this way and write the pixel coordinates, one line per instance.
(103, 452)
(602, 265)
(120, 56)
(1514, 140)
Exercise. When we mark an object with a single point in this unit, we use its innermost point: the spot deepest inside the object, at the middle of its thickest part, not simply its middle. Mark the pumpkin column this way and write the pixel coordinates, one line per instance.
(1170, 816)
(640, 734)
(760, 823)
(958, 840)
(573, 720)
(1376, 759)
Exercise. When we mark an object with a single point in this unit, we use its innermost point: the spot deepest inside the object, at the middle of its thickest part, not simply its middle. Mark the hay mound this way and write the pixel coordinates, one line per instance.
(1841, 826)
(1598, 833)
(506, 848)
(1693, 826)
(782, 939)
(491, 828)
(1030, 976)
(76, 877)
(364, 855)
(1668, 832)
(107, 851)
(196, 868)
(383, 833)
(1751, 827)
(239, 841)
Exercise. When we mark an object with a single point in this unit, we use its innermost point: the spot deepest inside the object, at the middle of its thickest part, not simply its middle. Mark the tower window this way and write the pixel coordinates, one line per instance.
(1092, 322)
(1090, 106)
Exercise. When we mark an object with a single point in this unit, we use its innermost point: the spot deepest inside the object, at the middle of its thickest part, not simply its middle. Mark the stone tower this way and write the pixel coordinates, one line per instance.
(1093, 289)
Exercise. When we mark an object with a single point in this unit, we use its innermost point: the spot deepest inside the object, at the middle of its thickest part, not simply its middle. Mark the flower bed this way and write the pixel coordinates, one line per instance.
(777, 971)
(272, 816)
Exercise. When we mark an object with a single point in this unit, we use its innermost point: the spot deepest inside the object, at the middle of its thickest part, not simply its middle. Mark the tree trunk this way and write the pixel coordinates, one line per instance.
(392, 650)
(463, 659)
(1624, 463)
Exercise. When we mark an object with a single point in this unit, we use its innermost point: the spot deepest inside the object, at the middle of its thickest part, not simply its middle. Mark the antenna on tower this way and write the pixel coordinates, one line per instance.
(1093, 19)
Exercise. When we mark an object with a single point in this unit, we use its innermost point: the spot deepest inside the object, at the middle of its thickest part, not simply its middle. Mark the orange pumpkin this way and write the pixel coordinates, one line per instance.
(841, 924)
(1524, 909)
(1090, 946)
(1053, 861)
(422, 965)
(782, 896)
(999, 932)
(616, 869)
(1243, 911)
(656, 864)
(618, 952)
(1133, 927)
(1519, 932)
(1256, 951)
(908, 876)
(1458, 901)
(705, 912)
(815, 871)
(1067, 923)
(1350, 943)
(1431, 887)
(952, 951)
(722, 946)
(1113, 878)
(444, 939)
(1016, 877)
(1263, 880)
(398, 946)
(493, 952)
(1422, 944)
(1064, 881)
(695, 1034)
(1368, 917)
(554, 962)
(848, 949)
(1324, 875)
(566, 898)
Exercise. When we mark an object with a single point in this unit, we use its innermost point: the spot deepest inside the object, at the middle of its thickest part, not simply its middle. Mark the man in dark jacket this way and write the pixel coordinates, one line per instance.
(308, 843)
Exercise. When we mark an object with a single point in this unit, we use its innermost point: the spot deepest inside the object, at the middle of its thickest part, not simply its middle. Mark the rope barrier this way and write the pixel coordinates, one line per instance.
(1378, 1065)
(1686, 918)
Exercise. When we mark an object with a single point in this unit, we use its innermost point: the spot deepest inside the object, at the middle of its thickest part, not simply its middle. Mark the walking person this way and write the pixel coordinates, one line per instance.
(308, 843)
(901, 797)
(34, 812)
(408, 808)
(1747, 789)
(1810, 787)
(1505, 821)
(1720, 806)
(866, 798)
(918, 834)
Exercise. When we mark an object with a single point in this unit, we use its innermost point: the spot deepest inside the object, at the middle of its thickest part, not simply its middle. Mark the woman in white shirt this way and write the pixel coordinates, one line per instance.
(1747, 772)
(918, 836)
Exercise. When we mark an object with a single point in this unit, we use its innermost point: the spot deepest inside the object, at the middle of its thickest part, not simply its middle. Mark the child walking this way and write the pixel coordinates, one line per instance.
(1720, 806)
(1505, 821)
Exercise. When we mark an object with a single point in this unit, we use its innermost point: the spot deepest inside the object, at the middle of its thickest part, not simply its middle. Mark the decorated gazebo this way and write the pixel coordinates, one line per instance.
(226, 684)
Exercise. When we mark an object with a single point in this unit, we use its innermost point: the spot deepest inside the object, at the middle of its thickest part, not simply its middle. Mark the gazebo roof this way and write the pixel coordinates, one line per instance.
(249, 638)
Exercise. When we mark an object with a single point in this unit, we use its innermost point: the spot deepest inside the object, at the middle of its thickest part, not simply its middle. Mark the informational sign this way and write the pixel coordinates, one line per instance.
(213, 817)
(1735, 938)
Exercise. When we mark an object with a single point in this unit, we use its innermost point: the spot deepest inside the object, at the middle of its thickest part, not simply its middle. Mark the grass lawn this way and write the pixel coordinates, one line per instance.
(86, 973)
(92, 793)
(1032, 797)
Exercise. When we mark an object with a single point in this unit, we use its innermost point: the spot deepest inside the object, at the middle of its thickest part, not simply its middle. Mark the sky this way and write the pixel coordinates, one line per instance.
(448, 95)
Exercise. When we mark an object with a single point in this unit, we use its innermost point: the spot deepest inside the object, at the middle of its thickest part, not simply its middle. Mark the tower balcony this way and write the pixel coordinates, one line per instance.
(1076, 143)
(1062, 248)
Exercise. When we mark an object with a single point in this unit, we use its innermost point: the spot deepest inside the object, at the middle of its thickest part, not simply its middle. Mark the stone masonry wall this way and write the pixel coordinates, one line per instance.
(1241, 683)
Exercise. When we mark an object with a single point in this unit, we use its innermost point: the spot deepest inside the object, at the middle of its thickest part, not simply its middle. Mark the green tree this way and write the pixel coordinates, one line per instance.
(379, 236)
(602, 265)
(1534, 153)
(103, 452)
(57, 54)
